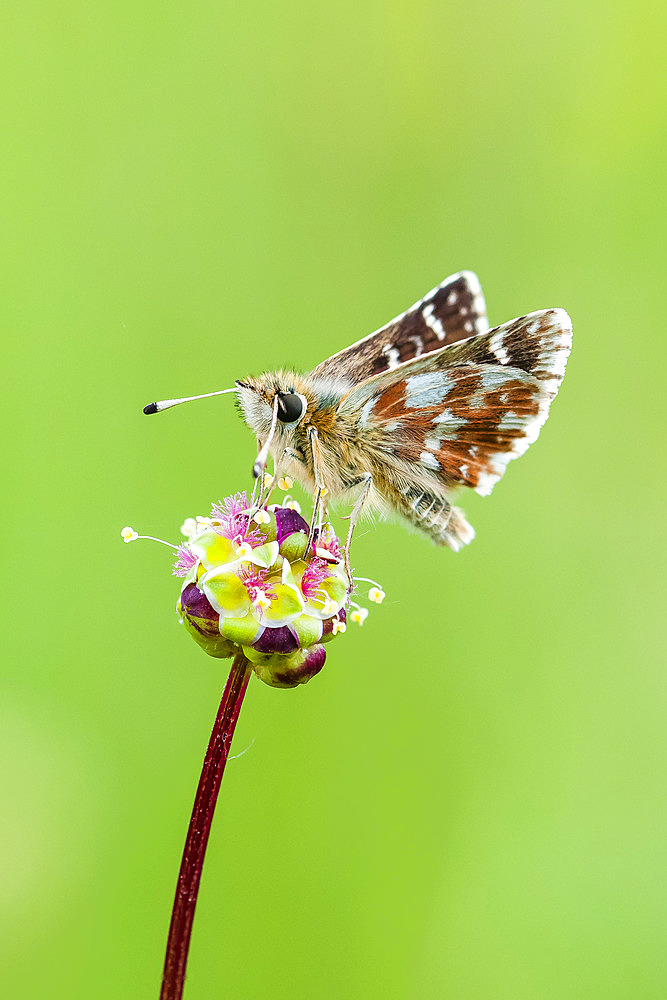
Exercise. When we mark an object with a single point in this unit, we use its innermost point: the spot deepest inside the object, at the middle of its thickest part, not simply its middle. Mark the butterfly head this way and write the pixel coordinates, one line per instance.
(283, 392)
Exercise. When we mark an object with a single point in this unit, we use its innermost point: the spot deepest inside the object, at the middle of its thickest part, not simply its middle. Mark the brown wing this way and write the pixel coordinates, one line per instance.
(467, 410)
(453, 311)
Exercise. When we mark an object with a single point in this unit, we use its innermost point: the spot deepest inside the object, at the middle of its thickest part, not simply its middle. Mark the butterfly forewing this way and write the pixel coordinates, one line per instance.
(453, 311)
(466, 411)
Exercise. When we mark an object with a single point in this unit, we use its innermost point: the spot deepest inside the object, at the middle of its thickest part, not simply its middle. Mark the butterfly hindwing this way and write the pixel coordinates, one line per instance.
(449, 313)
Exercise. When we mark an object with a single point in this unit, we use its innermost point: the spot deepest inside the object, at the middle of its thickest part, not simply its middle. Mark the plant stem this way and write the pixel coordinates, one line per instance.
(187, 887)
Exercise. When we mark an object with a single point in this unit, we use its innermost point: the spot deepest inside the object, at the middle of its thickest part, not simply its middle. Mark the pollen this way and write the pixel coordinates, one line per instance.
(129, 534)
(338, 626)
(376, 595)
(293, 505)
(189, 527)
(244, 551)
(267, 479)
(285, 483)
(261, 517)
(262, 601)
(359, 615)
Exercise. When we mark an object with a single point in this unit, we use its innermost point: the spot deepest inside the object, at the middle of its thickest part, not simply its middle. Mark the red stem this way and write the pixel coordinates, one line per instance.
(187, 887)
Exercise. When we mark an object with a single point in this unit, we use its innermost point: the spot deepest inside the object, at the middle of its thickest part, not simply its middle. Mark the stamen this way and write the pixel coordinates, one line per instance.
(130, 535)
(359, 615)
(261, 600)
(365, 579)
(189, 527)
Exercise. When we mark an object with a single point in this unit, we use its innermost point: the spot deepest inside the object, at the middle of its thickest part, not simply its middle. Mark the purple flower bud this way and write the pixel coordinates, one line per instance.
(289, 671)
(288, 521)
(202, 622)
(195, 605)
(276, 640)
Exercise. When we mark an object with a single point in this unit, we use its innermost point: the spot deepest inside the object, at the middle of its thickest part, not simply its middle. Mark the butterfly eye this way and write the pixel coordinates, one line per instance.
(290, 407)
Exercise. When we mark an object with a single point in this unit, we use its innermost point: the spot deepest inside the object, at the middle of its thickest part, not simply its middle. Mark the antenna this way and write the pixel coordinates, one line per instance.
(164, 404)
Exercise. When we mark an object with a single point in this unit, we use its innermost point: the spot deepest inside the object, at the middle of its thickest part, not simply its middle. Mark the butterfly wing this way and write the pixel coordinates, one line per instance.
(459, 415)
(451, 312)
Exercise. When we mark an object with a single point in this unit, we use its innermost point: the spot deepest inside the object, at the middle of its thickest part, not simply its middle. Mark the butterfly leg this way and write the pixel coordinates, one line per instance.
(354, 517)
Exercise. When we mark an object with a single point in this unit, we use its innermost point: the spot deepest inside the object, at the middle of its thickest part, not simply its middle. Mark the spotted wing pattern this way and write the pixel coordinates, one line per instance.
(451, 312)
(461, 414)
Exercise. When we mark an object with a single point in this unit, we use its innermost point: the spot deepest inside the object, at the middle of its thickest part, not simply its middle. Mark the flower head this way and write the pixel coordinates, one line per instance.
(251, 583)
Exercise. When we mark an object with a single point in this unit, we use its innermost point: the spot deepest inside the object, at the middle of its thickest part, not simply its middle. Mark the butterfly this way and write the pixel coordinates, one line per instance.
(430, 402)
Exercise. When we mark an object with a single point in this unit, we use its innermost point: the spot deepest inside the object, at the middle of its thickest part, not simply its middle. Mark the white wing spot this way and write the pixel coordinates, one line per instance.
(419, 345)
(391, 353)
(428, 459)
(433, 322)
(366, 409)
(453, 423)
(496, 347)
(452, 298)
(427, 389)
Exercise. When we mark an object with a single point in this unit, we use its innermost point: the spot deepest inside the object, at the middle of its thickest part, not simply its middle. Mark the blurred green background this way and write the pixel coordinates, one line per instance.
(192, 192)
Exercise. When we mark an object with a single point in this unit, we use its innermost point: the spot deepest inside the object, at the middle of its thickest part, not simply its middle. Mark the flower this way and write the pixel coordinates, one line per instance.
(252, 583)
(259, 590)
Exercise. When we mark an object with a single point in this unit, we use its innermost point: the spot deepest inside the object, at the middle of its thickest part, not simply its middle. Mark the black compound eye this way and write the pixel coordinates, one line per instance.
(290, 407)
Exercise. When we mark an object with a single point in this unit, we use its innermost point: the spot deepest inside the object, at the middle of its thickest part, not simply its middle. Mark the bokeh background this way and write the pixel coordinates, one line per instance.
(468, 802)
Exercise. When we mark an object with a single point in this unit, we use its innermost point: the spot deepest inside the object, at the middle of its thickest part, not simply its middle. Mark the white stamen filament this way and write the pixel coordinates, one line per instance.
(152, 538)
(364, 579)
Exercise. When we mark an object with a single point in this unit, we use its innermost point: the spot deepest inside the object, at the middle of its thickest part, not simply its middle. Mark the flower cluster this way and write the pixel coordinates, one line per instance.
(252, 582)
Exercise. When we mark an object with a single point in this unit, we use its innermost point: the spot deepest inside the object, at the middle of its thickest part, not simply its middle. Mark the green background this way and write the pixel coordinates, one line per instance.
(468, 802)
